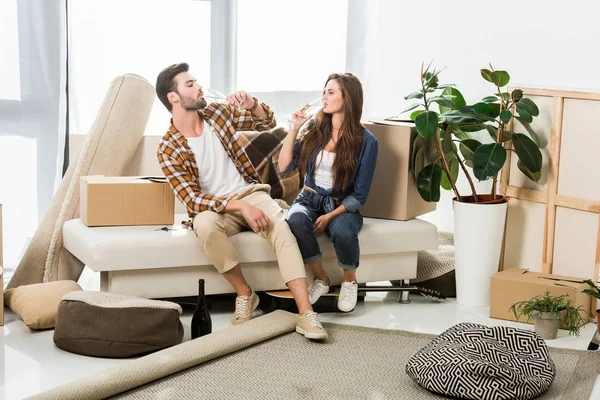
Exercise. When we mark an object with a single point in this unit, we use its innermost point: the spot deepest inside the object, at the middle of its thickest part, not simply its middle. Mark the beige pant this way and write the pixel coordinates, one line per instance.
(213, 230)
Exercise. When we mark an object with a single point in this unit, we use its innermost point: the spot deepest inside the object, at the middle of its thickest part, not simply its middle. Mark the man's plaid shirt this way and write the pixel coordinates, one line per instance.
(179, 164)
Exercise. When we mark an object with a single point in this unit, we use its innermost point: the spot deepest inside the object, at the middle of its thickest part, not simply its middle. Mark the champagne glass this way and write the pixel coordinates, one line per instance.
(311, 109)
(217, 97)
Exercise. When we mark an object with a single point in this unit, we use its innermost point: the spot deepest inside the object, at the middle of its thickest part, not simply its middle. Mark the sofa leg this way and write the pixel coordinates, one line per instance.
(403, 295)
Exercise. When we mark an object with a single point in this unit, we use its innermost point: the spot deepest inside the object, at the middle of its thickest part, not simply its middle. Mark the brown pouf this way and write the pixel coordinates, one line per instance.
(112, 325)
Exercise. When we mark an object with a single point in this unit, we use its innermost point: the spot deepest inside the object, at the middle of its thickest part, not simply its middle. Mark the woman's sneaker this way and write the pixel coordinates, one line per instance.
(310, 326)
(317, 289)
(348, 296)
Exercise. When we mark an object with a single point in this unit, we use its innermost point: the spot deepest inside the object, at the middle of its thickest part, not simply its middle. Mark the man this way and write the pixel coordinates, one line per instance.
(211, 174)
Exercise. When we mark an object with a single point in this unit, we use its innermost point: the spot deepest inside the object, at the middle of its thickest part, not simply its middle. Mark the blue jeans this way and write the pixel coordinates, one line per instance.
(343, 231)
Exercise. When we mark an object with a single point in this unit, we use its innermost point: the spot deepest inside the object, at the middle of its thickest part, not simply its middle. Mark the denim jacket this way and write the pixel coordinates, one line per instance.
(355, 194)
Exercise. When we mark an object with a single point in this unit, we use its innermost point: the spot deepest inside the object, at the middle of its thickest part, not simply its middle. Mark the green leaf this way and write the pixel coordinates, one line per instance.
(419, 163)
(415, 113)
(529, 106)
(528, 152)
(489, 99)
(446, 138)
(458, 117)
(488, 160)
(414, 95)
(482, 108)
(525, 116)
(469, 163)
(468, 148)
(460, 135)
(446, 85)
(493, 131)
(500, 78)
(427, 124)
(472, 127)
(409, 108)
(481, 116)
(459, 100)
(532, 133)
(487, 75)
(534, 176)
(495, 107)
(505, 96)
(443, 101)
(505, 116)
(428, 182)
(453, 166)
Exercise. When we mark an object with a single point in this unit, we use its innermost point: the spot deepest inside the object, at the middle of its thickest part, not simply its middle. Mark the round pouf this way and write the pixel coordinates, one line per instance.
(103, 324)
(471, 361)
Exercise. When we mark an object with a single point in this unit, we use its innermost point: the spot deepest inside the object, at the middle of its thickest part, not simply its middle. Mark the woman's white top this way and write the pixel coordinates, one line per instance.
(324, 172)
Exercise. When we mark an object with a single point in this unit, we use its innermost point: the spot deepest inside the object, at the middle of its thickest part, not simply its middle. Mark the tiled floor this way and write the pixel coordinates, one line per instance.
(31, 363)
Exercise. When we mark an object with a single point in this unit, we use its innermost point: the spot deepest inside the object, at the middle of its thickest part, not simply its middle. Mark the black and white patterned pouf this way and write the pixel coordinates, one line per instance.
(471, 361)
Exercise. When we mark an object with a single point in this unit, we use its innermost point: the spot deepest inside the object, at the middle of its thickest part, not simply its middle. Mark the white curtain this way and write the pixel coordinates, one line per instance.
(32, 114)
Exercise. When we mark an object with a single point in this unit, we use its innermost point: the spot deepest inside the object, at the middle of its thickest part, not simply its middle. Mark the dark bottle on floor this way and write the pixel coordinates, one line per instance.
(201, 323)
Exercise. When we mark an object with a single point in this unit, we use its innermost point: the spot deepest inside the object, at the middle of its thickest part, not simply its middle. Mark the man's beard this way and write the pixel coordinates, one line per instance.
(190, 104)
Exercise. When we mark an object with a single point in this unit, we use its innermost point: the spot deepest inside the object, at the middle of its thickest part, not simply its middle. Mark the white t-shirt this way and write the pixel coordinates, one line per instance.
(324, 173)
(218, 174)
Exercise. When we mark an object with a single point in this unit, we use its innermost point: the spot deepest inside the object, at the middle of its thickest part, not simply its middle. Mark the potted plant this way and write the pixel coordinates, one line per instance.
(445, 145)
(594, 292)
(548, 312)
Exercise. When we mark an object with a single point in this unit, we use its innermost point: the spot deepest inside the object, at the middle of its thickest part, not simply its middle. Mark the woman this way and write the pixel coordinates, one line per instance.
(337, 156)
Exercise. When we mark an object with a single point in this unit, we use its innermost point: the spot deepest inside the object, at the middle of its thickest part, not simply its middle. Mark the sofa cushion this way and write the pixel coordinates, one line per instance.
(113, 325)
(471, 361)
(37, 304)
(140, 247)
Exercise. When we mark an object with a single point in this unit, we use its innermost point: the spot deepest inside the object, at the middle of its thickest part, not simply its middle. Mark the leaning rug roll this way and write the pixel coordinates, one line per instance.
(103, 324)
(471, 361)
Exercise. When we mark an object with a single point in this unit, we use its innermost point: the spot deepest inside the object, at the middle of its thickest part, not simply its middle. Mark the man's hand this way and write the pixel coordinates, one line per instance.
(241, 99)
(321, 224)
(257, 219)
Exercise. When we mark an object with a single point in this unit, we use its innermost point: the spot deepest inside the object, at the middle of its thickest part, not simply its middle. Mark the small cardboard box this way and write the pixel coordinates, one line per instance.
(126, 200)
(518, 284)
(393, 193)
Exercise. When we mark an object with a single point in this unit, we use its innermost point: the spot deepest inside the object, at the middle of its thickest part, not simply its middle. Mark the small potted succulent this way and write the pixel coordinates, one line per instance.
(548, 312)
(594, 292)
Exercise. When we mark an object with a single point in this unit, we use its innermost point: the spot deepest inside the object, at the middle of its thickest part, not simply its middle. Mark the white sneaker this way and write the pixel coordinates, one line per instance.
(317, 289)
(348, 296)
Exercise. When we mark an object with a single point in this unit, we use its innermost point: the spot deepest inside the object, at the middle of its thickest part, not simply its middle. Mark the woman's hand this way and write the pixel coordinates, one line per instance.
(299, 118)
(321, 224)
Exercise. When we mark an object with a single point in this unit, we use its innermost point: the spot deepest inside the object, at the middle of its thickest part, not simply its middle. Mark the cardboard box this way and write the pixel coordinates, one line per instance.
(393, 193)
(518, 284)
(1, 274)
(126, 200)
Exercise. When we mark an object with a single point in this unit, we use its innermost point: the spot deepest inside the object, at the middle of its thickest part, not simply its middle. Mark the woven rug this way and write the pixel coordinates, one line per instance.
(265, 359)
(355, 363)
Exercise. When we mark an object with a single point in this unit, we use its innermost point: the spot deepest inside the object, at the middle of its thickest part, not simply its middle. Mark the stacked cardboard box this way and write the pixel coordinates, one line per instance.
(393, 193)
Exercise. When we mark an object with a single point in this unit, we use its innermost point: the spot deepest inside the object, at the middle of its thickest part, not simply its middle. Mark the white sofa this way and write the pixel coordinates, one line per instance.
(148, 262)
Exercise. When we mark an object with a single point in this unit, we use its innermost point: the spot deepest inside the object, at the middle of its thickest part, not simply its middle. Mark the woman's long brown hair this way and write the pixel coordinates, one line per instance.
(349, 143)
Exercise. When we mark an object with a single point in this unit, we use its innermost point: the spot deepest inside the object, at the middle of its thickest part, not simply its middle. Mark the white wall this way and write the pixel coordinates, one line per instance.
(540, 43)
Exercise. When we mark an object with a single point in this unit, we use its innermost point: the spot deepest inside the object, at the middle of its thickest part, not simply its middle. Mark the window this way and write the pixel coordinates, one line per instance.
(10, 80)
(140, 38)
(286, 49)
(290, 46)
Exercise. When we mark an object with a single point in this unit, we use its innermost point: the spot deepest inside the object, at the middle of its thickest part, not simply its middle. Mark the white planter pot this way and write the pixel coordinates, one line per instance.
(478, 235)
